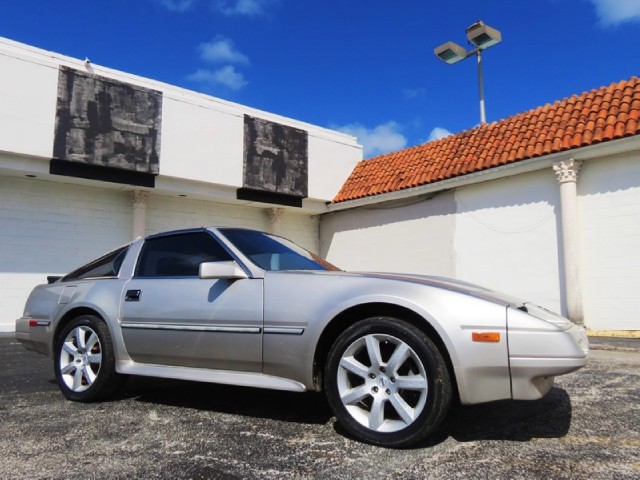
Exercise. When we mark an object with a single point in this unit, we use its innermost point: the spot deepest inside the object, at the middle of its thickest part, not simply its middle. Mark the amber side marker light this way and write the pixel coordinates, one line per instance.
(486, 337)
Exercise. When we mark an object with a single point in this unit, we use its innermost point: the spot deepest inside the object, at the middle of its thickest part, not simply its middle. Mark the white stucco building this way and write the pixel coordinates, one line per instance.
(544, 205)
(91, 158)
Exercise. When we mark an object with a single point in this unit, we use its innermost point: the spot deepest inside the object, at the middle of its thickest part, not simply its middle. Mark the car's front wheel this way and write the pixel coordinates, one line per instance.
(84, 361)
(387, 382)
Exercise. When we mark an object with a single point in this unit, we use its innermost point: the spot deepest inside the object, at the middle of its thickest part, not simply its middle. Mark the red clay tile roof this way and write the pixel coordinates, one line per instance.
(600, 115)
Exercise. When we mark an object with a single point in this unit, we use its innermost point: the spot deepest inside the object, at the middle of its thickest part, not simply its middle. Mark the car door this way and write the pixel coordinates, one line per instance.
(171, 316)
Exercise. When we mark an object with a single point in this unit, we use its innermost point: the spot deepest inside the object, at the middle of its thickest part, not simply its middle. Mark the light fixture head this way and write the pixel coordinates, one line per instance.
(483, 36)
(450, 52)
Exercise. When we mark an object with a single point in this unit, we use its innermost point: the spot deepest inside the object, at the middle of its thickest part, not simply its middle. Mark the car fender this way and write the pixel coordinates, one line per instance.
(480, 369)
(300, 306)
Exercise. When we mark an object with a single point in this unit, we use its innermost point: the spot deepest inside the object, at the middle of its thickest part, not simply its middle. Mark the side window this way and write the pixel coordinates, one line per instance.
(107, 266)
(178, 255)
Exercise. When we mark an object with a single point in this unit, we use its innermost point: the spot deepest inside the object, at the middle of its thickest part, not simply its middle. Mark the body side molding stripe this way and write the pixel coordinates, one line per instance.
(191, 328)
(284, 330)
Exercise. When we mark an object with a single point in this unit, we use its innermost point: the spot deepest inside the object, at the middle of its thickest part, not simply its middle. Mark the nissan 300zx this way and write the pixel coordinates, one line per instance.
(242, 307)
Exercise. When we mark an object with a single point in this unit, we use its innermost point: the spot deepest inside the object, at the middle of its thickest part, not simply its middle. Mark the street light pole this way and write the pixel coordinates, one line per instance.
(483, 117)
(482, 37)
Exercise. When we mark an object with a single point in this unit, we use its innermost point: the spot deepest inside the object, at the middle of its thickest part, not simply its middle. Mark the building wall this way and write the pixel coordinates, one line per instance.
(202, 144)
(201, 137)
(65, 217)
(506, 234)
(50, 228)
(414, 236)
(171, 213)
(28, 99)
(501, 234)
(609, 194)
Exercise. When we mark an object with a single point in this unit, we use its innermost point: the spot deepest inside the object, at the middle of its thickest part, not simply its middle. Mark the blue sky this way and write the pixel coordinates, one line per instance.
(362, 66)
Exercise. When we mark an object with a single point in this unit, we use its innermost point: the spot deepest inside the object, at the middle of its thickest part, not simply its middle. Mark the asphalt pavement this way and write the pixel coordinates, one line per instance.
(587, 427)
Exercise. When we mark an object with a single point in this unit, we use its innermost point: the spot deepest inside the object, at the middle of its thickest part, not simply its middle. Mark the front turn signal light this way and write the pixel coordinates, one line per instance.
(485, 337)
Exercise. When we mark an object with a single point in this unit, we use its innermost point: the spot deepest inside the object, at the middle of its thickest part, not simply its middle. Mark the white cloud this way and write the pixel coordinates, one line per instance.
(614, 12)
(177, 5)
(438, 133)
(226, 76)
(410, 93)
(221, 50)
(381, 139)
(252, 8)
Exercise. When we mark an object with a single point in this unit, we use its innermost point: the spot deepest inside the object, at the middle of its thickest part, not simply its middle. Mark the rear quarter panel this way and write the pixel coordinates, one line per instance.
(58, 304)
(61, 301)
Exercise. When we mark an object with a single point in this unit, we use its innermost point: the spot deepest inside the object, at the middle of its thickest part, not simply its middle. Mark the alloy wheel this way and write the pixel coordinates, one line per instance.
(382, 383)
(80, 358)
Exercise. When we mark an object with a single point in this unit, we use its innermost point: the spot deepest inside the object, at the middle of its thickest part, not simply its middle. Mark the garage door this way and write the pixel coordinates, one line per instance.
(50, 228)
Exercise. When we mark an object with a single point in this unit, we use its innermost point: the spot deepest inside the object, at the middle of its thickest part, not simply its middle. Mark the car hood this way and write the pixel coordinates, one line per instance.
(445, 283)
(454, 285)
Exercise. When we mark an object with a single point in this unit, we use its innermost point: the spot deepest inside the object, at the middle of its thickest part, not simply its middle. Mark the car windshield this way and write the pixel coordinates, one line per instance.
(273, 253)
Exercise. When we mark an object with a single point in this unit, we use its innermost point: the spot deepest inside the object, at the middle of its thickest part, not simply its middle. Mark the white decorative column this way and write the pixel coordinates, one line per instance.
(139, 212)
(567, 174)
(275, 219)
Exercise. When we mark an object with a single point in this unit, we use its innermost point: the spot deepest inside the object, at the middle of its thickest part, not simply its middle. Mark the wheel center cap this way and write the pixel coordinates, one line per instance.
(382, 381)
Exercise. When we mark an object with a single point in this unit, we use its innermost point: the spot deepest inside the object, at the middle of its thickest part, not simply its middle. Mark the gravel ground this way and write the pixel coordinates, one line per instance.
(588, 426)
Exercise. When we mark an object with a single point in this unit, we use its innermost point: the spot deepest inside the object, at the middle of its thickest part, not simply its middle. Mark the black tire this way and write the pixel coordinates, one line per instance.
(387, 402)
(84, 361)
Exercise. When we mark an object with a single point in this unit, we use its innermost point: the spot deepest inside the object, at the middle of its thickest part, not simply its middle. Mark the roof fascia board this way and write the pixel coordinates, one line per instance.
(596, 151)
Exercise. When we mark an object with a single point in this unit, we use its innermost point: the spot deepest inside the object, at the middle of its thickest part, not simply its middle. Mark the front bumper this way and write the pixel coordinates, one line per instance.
(536, 357)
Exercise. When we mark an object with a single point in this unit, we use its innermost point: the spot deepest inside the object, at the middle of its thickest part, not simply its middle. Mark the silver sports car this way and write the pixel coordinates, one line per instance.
(242, 307)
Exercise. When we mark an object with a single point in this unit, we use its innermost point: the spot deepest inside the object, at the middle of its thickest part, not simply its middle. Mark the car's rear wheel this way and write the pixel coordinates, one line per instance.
(387, 382)
(84, 361)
